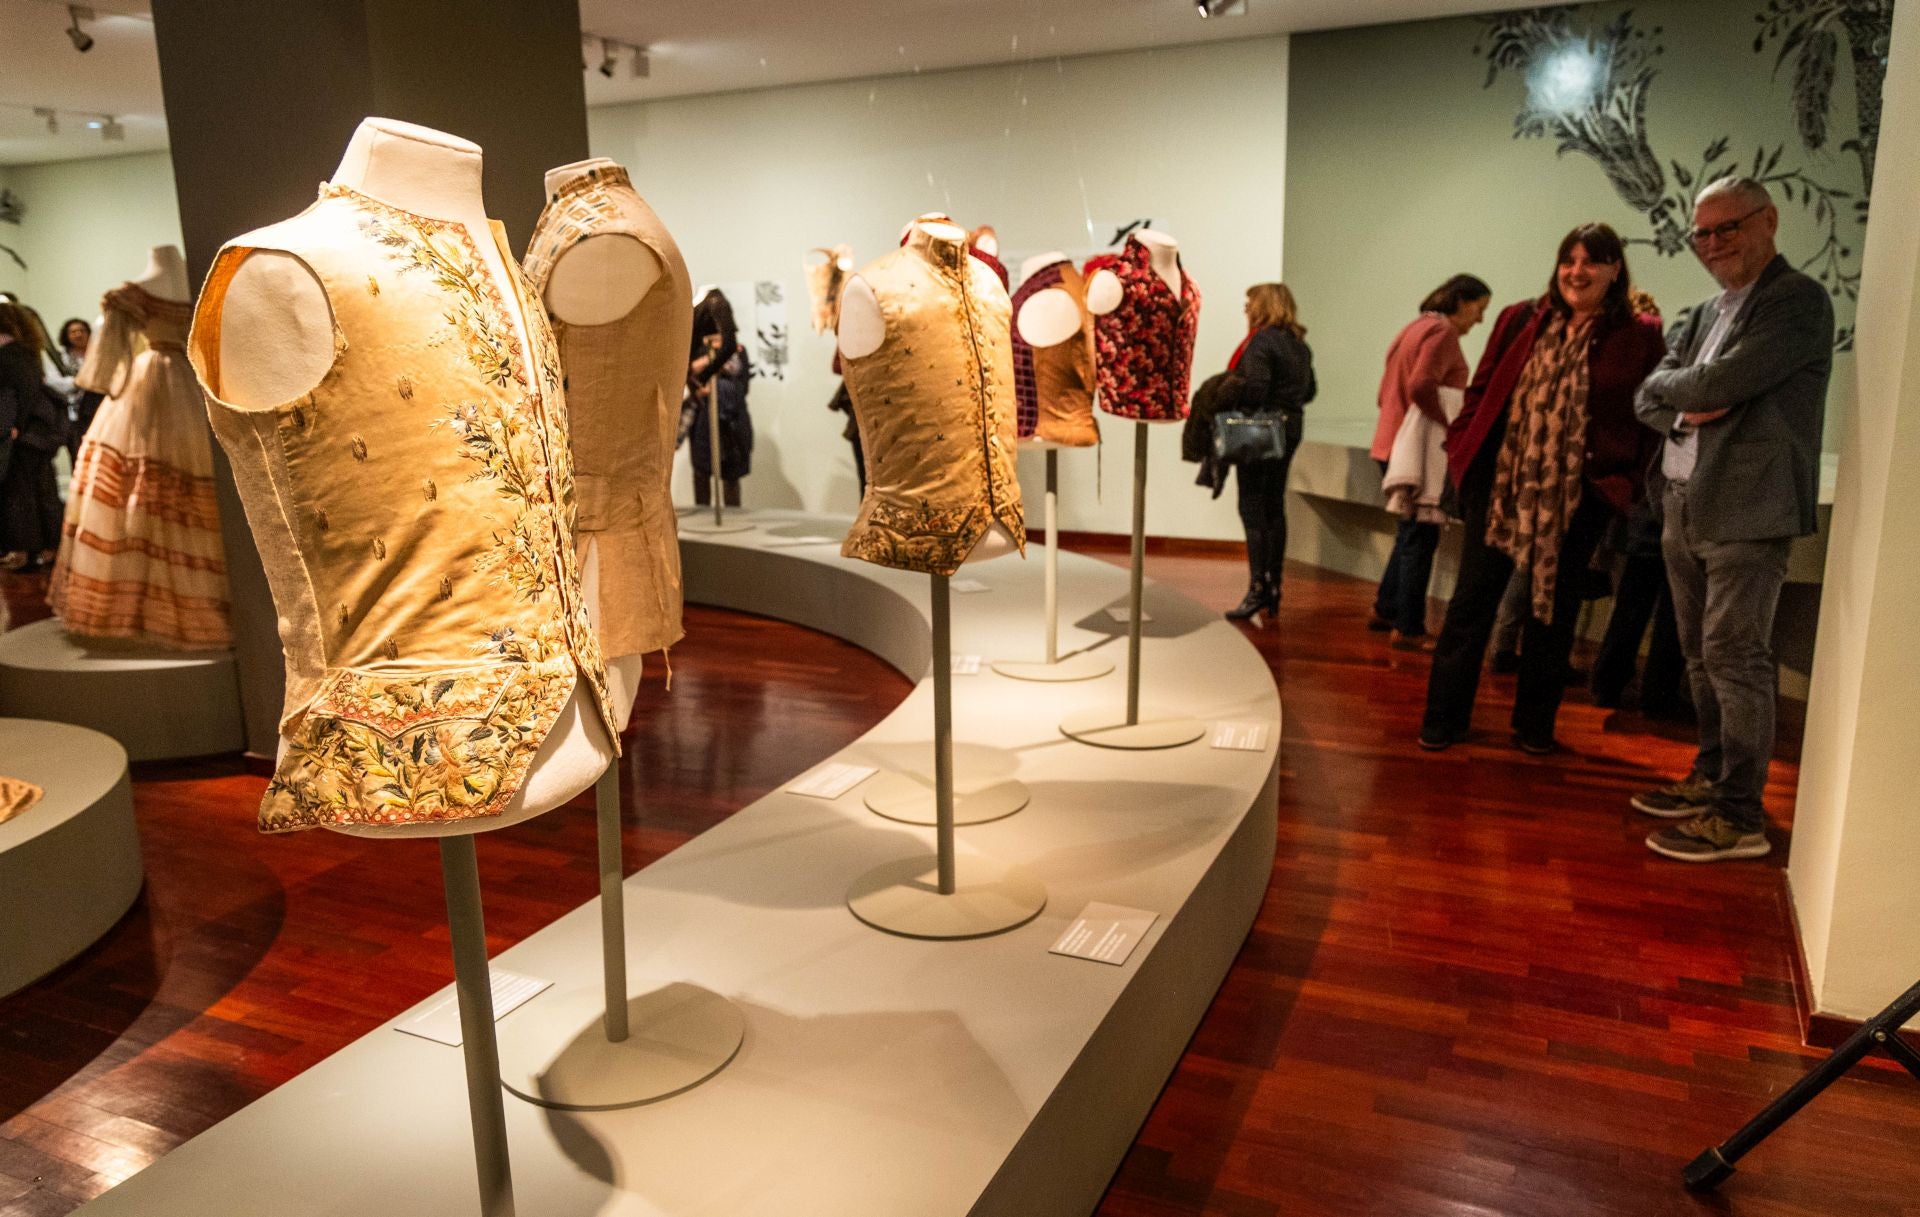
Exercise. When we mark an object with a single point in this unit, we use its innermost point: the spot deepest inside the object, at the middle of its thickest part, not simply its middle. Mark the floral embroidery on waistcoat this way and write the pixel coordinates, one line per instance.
(1144, 347)
(455, 742)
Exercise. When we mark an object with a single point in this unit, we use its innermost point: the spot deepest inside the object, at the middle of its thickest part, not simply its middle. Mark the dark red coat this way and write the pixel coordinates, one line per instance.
(1618, 444)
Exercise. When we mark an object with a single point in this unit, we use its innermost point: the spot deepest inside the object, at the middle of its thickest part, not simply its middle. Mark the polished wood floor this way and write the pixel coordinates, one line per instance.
(1470, 991)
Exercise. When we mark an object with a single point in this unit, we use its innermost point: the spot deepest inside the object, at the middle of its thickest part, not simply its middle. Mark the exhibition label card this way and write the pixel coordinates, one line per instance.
(967, 585)
(966, 665)
(1243, 737)
(831, 780)
(440, 1022)
(1119, 613)
(1105, 933)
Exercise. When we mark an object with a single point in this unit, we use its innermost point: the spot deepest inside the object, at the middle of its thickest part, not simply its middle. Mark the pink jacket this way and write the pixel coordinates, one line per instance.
(1423, 359)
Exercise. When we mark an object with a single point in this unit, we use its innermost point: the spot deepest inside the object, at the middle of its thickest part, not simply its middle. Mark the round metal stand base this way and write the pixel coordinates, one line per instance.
(908, 798)
(554, 1050)
(709, 528)
(1106, 728)
(904, 898)
(1072, 667)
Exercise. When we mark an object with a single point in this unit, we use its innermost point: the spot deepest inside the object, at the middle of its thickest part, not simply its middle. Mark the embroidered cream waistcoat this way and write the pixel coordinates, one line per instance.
(414, 511)
(623, 396)
(936, 408)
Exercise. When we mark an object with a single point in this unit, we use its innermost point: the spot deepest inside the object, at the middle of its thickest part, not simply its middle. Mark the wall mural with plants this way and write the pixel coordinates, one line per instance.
(1586, 85)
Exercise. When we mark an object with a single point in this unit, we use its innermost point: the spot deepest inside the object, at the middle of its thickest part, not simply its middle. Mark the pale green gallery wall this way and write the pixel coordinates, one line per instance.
(1406, 164)
(1054, 154)
(88, 227)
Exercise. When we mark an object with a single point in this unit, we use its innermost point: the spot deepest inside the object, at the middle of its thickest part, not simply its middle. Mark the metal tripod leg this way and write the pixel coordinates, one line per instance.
(1713, 1167)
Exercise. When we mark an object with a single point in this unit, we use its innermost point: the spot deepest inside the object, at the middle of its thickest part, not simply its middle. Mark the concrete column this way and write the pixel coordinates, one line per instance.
(261, 100)
(1855, 866)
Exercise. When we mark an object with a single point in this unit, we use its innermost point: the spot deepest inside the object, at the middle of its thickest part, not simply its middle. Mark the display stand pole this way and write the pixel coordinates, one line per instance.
(1136, 579)
(460, 872)
(1103, 727)
(1053, 669)
(713, 443)
(1053, 555)
(954, 897)
(597, 1049)
(613, 902)
(943, 734)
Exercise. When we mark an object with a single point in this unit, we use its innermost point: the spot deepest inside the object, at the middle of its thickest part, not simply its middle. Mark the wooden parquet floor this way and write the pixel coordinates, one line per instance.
(1470, 990)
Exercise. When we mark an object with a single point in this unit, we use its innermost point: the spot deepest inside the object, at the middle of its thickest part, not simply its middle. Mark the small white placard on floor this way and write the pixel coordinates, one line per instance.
(440, 1022)
(966, 665)
(967, 585)
(1119, 613)
(1105, 933)
(831, 780)
(1245, 737)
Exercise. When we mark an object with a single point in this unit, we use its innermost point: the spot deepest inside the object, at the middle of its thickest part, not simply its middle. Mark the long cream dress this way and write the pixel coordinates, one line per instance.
(140, 556)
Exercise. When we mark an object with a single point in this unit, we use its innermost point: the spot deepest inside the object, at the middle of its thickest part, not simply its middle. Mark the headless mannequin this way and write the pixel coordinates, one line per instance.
(1163, 252)
(166, 275)
(600, 279)
(1046, 318)
(277, 342)
(863, 328)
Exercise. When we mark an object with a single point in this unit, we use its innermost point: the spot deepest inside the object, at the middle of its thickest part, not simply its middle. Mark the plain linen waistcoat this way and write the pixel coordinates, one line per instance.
(935, 408)
(414, 511)
(1145, 346)
(623, 383)
(1055, 383)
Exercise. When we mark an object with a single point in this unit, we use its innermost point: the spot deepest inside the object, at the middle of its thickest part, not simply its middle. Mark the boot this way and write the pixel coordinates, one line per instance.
(1260, 592)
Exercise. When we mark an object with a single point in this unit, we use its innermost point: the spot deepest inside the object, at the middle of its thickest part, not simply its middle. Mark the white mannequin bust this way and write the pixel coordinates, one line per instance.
(166, 275)
(599, 279)
(863, 329)
(277, 342)
(1163, 252)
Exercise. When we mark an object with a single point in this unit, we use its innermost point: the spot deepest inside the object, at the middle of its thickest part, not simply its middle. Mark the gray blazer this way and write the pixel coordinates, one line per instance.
(1758, 473)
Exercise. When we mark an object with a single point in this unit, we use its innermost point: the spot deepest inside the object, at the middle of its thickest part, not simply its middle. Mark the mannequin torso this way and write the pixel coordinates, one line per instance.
(277, 342)
(600, 279)
(166, 275)
(863, 329)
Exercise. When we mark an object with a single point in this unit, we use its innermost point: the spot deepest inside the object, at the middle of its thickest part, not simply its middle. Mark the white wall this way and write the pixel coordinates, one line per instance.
(1856, 848)
(1053, 154)
(88, 227)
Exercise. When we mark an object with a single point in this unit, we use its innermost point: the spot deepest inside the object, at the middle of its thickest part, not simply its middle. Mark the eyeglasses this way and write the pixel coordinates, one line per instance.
(1720, 232)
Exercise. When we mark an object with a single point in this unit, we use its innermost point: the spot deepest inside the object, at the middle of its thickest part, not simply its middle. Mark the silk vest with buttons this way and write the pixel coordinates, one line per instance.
(935, 408)
(414, 511)
(623, 394)
(1055, 383)
(1145, 346)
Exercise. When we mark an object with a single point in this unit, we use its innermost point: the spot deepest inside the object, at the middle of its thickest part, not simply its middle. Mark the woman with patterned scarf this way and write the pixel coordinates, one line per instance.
(1545, 453)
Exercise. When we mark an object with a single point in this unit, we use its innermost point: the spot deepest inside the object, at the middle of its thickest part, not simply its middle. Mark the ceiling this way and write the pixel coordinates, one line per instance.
(695, 46)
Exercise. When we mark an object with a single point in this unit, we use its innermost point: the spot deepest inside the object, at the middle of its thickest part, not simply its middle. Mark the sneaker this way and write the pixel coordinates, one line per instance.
(1536, 747)
(1708, 838)
(1691, 796)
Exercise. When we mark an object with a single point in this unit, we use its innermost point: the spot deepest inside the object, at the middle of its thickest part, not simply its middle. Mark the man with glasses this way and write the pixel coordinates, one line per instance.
(1739, 399)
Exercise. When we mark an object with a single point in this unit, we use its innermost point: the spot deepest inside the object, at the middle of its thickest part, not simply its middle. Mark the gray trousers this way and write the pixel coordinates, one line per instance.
(1724, 596)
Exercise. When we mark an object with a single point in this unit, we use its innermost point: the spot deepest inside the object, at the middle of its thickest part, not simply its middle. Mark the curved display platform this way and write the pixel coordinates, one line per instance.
(880, 1075)
(69, 865)
(156, 704)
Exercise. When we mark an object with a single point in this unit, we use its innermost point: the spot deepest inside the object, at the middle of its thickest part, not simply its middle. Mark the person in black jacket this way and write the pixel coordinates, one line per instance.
(33, 424)
(1271, 375)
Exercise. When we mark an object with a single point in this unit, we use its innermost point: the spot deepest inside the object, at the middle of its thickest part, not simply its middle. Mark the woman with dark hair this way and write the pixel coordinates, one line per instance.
(1545, 453)
(32, 427)
(1423, 359)
(1270, 375)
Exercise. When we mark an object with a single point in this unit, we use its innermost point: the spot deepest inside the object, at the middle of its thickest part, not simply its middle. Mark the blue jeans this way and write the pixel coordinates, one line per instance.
(1402, 598)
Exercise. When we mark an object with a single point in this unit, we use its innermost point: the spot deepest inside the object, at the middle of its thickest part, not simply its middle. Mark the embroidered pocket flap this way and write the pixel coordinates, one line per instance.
(395, 702)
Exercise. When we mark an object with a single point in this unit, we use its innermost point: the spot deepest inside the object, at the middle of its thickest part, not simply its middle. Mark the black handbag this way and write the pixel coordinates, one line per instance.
(1240, 439)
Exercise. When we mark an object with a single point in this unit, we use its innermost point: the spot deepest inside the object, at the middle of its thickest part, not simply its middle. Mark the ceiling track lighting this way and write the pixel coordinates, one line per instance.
(639, 65)
(81, 40)
(609, 56)
(51, 116)
(1220, 8)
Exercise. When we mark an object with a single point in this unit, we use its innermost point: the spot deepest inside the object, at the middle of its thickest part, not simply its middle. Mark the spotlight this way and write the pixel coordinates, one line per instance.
(113, 130)
(81, 40)
(53, 119)
(608, 57)
(642, 63)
